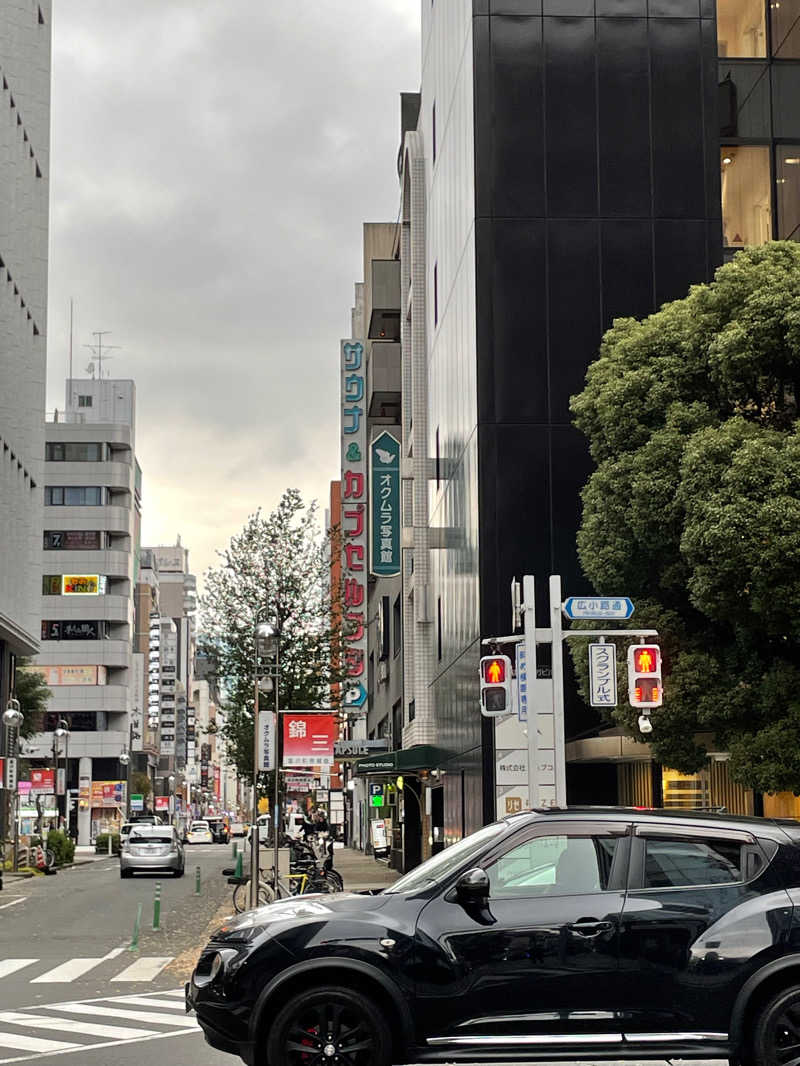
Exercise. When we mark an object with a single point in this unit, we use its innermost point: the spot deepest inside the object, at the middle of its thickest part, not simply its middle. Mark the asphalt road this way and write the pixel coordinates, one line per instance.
(72, 993)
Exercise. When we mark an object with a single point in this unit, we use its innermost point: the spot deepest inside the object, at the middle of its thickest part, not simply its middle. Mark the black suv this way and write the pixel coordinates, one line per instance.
(586, 934)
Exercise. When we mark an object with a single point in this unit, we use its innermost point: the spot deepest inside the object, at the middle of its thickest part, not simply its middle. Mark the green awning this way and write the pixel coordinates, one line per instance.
(404, 761)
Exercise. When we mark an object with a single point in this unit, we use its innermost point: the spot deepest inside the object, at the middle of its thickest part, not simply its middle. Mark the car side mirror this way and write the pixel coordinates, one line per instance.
(473, 887)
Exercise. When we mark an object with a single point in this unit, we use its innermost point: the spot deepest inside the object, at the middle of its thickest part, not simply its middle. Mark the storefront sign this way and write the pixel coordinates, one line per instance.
(107, 793)
(380, 840)
(355, 749)
(299, 784)
(71, 675)
(80, 585)
(84, 793)
(43, 782)
(162, 803)
(266, 736)
(72, 540)
(308, 738)
(217, 782)
(384, 465)
(66, 630)
(354, 517)
(137, 802)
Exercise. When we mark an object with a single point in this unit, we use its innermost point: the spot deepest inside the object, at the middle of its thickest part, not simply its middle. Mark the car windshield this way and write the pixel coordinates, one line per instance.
(442, 865)
(151, 838)
(198, 826)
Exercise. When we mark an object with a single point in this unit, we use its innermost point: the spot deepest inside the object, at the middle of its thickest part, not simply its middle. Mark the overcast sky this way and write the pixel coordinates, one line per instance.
(212, 163)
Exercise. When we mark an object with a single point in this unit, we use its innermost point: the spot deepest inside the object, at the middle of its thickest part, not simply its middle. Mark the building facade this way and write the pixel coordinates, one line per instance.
(25, 38)
(92, 509)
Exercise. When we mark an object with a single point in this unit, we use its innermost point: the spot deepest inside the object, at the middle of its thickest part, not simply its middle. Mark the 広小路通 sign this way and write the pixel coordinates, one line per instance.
(598, 607)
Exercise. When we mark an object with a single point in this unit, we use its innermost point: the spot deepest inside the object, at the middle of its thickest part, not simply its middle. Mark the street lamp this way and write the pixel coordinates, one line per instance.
(12, 720)
(171, 783)
(266, 643)
(62, 730)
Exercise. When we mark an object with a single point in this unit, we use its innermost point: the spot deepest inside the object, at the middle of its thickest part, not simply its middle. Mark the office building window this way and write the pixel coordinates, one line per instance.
(787, 159)
(73, 496)
(433, 130)
(741, 31)
(84, 401)
(436, 294)
(58, 452)
(785, 24)
(746, 201)
(397, 626)
(439, 628)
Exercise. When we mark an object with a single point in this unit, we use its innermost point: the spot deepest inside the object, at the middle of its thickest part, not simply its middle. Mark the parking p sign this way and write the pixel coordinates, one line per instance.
(375, 795)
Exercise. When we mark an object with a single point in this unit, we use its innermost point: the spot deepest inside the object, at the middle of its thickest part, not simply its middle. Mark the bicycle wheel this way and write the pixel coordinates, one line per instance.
(241, 896)
(49, 858)
(334, 880)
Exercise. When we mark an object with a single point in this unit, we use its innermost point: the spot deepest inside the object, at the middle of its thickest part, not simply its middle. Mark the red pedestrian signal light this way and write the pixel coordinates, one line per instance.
(644, 676)
(494, 670)
(646, 660)
(495, 674)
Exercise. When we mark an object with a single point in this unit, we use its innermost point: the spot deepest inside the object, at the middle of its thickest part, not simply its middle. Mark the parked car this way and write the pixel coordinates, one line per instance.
(146, 819)
(199, 833)
(151, 849)
(124, 831)
(219, 830)
(238, 829)
(549, 935)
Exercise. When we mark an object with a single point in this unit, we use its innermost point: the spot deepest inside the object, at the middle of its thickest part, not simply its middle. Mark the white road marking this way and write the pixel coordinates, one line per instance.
(71, 1049)
(144, 969)
(127, 1015)
(13, 902)
(8, 966)
(67, 971)
(32, 1043)
(178, 993)
(70, 1025)
(114, 953)
(146, 1001)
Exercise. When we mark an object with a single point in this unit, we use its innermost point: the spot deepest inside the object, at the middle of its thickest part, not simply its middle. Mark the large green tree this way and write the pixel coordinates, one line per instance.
(278, 567)
(32, 692)
(694, 509)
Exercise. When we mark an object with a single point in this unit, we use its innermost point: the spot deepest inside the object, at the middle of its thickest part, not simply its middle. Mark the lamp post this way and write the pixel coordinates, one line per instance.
(62, 730)
(12, 720)
(171, 783)
(266, 641)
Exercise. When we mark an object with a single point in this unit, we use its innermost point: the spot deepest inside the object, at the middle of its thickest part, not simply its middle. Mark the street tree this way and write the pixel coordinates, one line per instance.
(279, 569)
(32, 692)
(694, 509)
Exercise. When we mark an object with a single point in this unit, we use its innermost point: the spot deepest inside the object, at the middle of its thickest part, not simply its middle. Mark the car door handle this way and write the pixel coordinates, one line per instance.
(589, 928)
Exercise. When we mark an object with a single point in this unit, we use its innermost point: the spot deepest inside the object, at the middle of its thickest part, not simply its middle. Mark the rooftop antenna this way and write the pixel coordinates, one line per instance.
(99, 350)
(69, 400)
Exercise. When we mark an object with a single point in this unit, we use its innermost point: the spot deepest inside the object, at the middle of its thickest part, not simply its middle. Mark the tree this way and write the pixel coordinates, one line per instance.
(278, 568)
(32, 692)
(141, 785)
(694, 509)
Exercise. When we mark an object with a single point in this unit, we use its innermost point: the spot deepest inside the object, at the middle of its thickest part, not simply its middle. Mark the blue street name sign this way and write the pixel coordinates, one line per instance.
(598, 607)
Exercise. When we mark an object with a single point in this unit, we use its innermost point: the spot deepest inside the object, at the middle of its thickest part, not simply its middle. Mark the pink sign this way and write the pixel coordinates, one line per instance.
(162, 803)
(43, 781)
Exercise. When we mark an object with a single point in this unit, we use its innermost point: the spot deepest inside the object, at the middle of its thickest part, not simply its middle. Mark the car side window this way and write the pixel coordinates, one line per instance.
(677, 863)
(554, 866)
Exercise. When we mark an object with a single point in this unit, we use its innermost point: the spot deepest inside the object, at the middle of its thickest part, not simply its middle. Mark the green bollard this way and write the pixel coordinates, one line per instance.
(135, 942)
(235, 847)
(157, 907)
(239, 858)
(197, 880)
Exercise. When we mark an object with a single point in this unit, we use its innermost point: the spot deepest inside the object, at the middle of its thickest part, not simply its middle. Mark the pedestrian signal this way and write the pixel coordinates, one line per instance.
(644, 676)
(495, 685)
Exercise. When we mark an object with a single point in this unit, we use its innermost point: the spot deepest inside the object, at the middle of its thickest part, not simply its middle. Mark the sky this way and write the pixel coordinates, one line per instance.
(212, 164)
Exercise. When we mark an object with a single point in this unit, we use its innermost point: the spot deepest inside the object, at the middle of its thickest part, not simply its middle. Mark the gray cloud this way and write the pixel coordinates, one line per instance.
(213, 161)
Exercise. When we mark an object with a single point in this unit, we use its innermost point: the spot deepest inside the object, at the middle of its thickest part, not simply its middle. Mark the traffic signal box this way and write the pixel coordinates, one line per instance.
(644, 676)
(495, 685)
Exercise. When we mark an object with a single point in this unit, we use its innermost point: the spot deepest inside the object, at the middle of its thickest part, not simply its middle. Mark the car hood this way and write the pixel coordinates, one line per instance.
(311, 907)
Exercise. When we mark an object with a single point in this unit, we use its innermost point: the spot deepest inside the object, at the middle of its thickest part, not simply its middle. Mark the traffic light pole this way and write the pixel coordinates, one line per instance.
(547, 769)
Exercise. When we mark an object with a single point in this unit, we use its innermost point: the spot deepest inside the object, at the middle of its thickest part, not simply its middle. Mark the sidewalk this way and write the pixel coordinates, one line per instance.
(361, 871)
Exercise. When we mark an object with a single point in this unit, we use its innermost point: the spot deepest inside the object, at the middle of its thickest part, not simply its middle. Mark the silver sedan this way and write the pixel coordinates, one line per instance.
(151, 849)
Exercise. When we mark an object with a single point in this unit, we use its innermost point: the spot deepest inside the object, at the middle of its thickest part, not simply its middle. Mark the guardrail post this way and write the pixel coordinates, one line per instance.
(157, 907)
(197, 880)
(239, 859)
(110, 845)
(235, 850)
(135, 941)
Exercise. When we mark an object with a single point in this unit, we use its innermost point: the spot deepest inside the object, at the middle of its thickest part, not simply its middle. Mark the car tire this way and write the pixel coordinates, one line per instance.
(126, 873)
(771, 1033)
(357, 1020)
(179, 873)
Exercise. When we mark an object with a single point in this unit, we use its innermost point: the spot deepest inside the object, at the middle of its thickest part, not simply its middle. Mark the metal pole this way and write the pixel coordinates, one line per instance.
(275, 769)
(254, 842)
(529, 628)
(66, 783)
(558, 690)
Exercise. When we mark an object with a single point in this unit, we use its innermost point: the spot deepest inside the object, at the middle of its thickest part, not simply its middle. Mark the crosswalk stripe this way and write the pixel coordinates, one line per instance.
(178, 993)
(70, 1025)
(146, 1001)
(32, 1043)
(144, 969)
(67, 971)
(9, 966)
(124, 1015)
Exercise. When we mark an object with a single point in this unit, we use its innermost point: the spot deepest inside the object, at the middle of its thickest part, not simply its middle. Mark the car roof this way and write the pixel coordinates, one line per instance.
(199, 821)
(702, 818)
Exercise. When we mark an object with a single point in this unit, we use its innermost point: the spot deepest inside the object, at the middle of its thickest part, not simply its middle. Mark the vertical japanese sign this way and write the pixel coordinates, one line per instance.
(308, 738)
(354, 519)
(384, 456)
(603, 675)
(266, 740)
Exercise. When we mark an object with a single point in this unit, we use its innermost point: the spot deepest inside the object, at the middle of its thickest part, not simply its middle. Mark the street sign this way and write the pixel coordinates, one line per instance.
(61, 781)
(10, 773)
(137, 802)
(375, 795)
(354, 749)
(603, 675)
(598, 607)
(522, 684)
(266, 740)
(355, 695)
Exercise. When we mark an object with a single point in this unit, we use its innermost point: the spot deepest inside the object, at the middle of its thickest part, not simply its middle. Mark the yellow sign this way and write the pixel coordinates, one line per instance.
(80, 585)
(263, 805)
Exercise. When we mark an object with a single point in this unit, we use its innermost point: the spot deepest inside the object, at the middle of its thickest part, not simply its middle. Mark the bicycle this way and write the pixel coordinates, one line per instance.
(295, 884)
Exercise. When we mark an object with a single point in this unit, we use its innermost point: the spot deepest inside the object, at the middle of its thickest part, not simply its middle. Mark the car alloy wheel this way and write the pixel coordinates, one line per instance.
(329, 1026)
(777, 1034)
